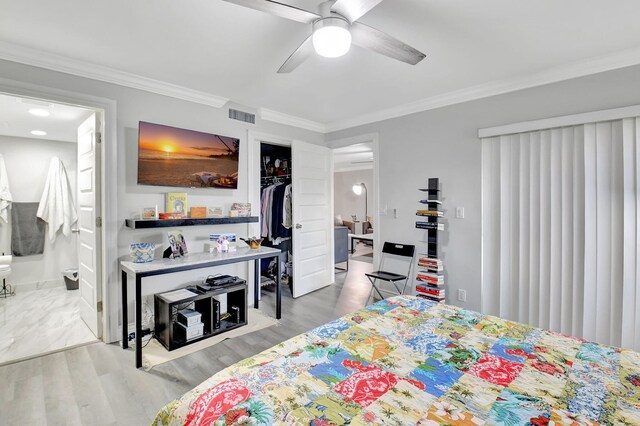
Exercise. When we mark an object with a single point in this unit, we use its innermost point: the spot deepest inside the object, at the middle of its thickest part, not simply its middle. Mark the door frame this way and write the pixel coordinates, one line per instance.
(254, 139)
(375, 194)
(108, 188)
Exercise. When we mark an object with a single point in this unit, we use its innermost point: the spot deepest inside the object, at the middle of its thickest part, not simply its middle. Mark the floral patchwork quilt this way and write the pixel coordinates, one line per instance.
(409, 361)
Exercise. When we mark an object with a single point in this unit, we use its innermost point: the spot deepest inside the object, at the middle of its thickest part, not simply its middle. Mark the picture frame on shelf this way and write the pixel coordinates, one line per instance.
(214, 211)
(177, 243)
(149, 213)
(176, 202)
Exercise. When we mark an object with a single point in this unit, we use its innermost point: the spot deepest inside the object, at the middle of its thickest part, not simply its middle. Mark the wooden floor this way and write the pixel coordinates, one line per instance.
(97, 384)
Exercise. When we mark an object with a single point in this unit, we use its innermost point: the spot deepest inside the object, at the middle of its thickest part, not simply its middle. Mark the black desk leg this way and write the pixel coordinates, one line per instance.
(125, 319)
(278, 289)
(256, 283)
(138, 321)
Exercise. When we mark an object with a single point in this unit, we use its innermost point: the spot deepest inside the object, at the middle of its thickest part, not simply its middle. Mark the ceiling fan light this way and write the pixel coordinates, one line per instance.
(331, 37)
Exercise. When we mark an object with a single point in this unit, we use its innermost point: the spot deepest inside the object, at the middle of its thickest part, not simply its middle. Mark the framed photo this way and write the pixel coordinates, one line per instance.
(177, 243)
(149, 213)
(177, 202)
(214, 212)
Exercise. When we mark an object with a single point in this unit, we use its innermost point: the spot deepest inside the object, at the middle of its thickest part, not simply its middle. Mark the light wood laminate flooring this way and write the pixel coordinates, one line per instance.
(97, 384)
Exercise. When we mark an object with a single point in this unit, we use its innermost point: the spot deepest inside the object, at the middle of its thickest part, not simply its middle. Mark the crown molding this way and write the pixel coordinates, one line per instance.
(292, 120)
(51, 61)
(583, 68)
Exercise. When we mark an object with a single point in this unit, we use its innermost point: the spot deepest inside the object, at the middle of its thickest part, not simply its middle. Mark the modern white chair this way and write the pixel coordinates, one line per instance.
(5, 271)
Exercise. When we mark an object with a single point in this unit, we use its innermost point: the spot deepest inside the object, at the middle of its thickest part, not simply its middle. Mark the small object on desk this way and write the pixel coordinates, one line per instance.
(149, 213)
(214, 212)
(141, 252)
(253, 242)
(188, 333)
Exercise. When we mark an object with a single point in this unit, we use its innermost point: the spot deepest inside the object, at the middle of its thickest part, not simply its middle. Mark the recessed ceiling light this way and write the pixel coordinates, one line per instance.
(39, 112)
(39, 133)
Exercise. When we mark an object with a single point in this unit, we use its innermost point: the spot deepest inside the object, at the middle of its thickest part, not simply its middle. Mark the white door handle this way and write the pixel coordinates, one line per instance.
(298, 226)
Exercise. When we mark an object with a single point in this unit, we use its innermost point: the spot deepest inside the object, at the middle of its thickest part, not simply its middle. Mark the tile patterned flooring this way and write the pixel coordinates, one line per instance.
(37, 322)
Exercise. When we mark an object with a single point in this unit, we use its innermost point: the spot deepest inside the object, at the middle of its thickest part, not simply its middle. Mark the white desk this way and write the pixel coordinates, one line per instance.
(186, 263)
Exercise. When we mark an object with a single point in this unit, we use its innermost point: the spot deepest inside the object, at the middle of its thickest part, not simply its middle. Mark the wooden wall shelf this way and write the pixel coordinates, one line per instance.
(169, 223)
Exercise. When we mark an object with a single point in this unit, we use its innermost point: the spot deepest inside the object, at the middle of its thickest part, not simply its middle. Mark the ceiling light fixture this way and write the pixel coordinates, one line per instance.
(39, 112)
(39, 133)
(331, 37)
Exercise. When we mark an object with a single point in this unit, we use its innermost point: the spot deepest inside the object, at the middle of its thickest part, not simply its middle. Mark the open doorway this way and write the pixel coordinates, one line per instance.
(353, 180)
(50, 268)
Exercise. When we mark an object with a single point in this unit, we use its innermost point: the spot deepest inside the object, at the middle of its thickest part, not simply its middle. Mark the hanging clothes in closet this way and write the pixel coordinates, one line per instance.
(276, 211)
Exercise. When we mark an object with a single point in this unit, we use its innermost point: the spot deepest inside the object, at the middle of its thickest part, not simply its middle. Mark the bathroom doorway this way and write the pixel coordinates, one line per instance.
(49, 185)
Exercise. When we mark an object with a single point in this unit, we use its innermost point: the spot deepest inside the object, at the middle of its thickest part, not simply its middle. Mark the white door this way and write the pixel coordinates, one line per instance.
(313, 225)
(88, 223)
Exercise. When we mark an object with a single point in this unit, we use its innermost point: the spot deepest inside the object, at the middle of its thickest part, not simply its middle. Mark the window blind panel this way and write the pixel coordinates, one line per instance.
(506, 288)
(578, 231)
(514, 231)
(617, 235)
(490, 226)
(534, 226)
(555, 249)
(603, 230)
(636, 323)
(630, 215)
(524, 227)
(590, 233)
(566, 211)
(545, 227)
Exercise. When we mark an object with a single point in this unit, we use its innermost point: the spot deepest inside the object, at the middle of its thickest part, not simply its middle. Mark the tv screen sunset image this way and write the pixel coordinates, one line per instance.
(169, 156)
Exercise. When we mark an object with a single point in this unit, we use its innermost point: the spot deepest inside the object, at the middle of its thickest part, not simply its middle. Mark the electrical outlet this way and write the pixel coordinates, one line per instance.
(462, 295)
(459, 212)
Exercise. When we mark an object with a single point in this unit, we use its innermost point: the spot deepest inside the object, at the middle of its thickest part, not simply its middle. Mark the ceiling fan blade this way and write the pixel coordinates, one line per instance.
(370, 38)
(279, 9)
(301, 54)
(354, 9)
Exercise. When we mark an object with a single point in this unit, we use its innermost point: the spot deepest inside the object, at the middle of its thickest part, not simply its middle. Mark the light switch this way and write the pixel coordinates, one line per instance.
(462, 295)
(459, 212)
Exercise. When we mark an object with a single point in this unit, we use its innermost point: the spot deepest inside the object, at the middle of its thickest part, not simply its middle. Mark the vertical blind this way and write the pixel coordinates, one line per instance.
(561, 231)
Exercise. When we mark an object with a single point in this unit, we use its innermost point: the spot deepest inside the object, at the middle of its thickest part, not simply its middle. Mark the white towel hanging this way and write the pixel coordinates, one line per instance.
(56, 205)
(5, 194)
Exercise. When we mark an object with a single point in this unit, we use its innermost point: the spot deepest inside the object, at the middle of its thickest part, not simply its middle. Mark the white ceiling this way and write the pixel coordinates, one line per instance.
(234, 52)
(61, 125)
(353, 157)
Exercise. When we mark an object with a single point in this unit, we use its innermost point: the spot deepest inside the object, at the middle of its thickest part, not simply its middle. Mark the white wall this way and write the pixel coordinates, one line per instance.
(133, 106)
(346, 202)
(27, 161)
(444, 143)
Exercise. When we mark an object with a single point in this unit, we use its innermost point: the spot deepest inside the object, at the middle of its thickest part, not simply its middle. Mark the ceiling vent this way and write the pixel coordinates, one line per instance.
(247, 117)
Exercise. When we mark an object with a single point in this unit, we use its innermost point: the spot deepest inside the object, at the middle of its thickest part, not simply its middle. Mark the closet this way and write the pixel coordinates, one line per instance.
(276, 210)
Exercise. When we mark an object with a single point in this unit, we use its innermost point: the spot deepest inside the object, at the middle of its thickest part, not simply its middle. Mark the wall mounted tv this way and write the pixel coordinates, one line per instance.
(169, 156)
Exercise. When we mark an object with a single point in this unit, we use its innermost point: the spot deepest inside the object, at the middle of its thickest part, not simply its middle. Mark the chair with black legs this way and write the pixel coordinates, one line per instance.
(404, 252)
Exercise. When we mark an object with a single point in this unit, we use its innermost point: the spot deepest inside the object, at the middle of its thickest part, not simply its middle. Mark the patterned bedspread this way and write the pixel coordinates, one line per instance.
(408, 361)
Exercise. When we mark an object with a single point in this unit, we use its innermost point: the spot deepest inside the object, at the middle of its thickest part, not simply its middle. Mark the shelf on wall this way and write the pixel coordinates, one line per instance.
(169, 223)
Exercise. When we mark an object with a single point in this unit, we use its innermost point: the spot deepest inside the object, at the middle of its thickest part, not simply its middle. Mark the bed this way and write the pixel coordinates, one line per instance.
(409, 361)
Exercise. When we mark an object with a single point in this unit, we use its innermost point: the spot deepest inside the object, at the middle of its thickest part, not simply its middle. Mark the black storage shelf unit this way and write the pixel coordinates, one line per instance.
(205, 304)
(433, 193)
(169, 223)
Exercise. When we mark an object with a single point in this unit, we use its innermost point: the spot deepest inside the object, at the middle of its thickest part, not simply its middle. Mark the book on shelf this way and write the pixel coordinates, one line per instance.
(429, 262)
(431, 201)
(435, 292)
(435, 213)
(434, 299)
(430, 225)
(430, 278)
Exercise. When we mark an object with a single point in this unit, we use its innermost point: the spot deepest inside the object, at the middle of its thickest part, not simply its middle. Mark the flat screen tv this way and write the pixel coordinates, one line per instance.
(169, 156)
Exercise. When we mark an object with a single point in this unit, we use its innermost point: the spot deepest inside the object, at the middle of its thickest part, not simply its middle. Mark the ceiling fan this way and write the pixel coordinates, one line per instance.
(333, 30)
